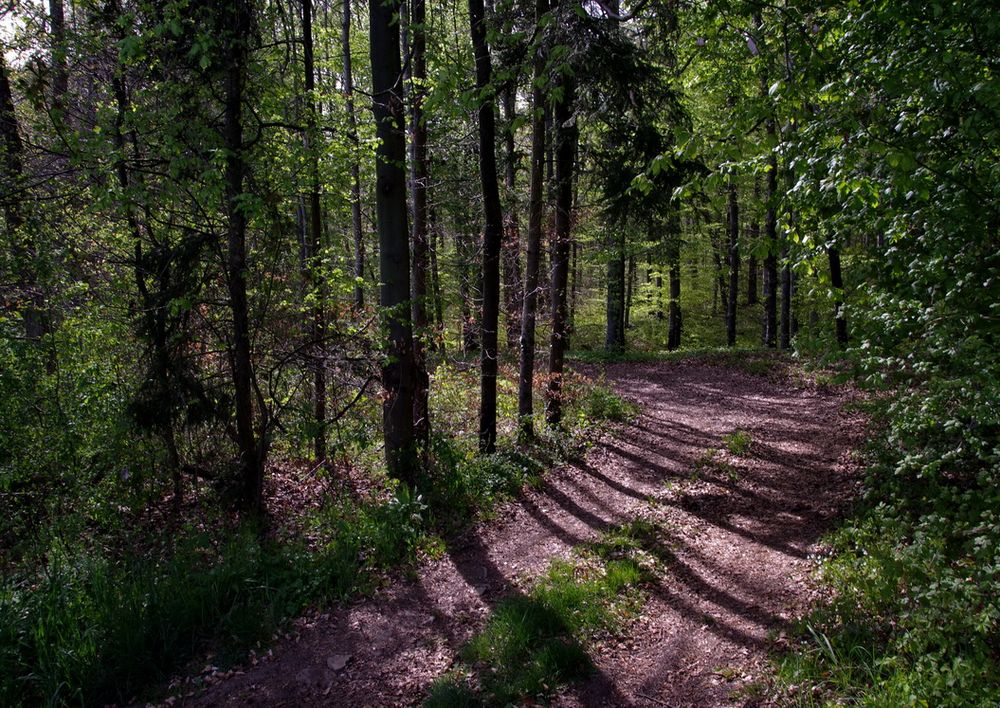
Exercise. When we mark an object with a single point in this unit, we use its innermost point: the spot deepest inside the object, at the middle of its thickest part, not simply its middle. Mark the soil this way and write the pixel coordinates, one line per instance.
(745, 531)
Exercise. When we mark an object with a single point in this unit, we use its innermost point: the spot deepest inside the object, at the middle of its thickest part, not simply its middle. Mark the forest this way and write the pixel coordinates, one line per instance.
(500, 352)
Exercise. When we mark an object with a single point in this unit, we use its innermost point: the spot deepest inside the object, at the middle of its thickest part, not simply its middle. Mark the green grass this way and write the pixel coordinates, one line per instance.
(738, 442)
(533, 644)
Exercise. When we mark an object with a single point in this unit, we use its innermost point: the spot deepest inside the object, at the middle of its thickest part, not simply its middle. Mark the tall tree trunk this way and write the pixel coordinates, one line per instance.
(24, 251)
(785, 334)
(751, 247)
(153, 311)
(352, 136)
(492, 232)
(419, 178)
(512, 230)
(529, 309)
(238, 24)
(771, 259)
(733, 219)
(315, 239)
(629, 289)
(614, 339)
(837, 280)
(566, 136)
(674, 273)
(394, 244)
(60, 72)
(436, 238)
(467, 250)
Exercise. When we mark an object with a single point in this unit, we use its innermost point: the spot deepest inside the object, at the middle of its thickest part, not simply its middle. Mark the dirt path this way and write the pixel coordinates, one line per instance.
(743, 529)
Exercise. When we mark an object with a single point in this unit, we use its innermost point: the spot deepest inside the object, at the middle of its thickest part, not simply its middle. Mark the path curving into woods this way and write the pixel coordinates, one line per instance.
(737, 574)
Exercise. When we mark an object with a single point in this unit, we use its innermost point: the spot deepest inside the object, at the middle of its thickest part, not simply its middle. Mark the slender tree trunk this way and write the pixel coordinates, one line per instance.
(751, 247)
(785, 334)
(394, 245)
(837, 280)
(629, 288)
(315, 239)
(419, 179)
(614, 339)
(512, 231)
(529, 309)
(352, 136)
(238, 25)
(466, 248)
(566, 136)
(492, 232)
(674, 273)
(734, 262)
(771, 260)
(153, 311)
(436, 279)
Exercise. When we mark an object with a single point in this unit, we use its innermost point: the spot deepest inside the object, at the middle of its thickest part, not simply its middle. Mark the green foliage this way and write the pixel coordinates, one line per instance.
(737, 442)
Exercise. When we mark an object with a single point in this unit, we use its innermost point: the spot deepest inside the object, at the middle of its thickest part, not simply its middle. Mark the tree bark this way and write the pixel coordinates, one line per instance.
(614, 340)
(512, 230)
(733, 220)
(394, 245)
(352, 136)
(318, 324)
(837, 280)
(60, 72)
(529, 306)
(492, 232)
(238, 26)
(566, 137)
(419, 179)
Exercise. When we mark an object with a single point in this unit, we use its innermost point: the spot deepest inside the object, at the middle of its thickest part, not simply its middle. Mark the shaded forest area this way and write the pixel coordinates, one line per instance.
(295, 291)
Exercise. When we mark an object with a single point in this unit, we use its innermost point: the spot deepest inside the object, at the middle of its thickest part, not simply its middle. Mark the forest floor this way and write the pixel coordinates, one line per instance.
(745, 530)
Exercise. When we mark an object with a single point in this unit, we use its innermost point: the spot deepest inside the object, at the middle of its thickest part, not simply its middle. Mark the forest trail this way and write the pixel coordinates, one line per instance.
(742, 530)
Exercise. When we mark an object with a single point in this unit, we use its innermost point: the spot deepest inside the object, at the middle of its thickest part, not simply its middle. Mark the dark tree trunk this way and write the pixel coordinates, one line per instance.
(785, 335)
(529, 309)
(12, 154)
(837, 280)
(315, 240)
(771, 259)
(238, 27)
(60, 73)
(153, 310)
(352, 136)
(394, 245)
(566, 136)
(674, 303)
(419, 178)
(629, 289)
(614, 339)
(512, 230)
(492, 232)
(733, 219)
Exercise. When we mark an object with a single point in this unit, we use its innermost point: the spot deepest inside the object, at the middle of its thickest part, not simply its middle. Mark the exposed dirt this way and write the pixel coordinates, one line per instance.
(743, 529)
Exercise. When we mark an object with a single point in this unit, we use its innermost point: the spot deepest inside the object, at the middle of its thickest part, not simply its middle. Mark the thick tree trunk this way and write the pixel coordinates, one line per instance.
(614, 339)
(315, 240)
(419, 179)
(733, 219)
(512, 230)
(837, 280)
(394, 245)
(492, 232)
(239, 18)
(352, 136)
(566, 137)
(529, 306)
(60, 72)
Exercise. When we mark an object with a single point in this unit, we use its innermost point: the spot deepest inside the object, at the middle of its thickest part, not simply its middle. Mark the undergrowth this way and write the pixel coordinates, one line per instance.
(534, 643)
(915, 572)
(83, 622)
